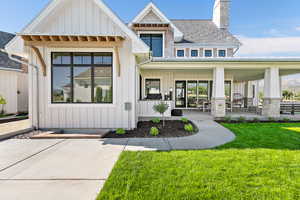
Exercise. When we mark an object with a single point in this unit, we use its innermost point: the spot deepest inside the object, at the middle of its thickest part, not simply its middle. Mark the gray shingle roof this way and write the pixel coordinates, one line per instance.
(204, 32)
(5, 62)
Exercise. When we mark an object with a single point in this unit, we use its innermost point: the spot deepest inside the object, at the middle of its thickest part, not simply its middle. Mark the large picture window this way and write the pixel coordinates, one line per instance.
(155, 42)
(82, 78)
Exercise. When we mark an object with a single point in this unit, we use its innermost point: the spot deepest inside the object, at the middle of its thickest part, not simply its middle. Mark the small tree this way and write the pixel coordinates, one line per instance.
(2, 103)
(161, 108)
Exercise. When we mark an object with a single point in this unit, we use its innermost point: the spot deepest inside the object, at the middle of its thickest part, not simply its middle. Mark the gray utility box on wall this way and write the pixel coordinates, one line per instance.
(128, 106)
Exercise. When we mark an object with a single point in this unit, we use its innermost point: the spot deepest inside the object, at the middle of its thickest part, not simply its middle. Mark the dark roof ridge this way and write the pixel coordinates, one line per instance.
(191, 19)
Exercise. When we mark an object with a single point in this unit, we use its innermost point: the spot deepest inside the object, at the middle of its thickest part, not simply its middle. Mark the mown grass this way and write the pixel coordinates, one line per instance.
(262, 163)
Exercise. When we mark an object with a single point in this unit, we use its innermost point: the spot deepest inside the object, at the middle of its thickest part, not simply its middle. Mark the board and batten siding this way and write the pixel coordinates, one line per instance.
(84, 17)
(12, 83)
(85, 115)
(22, 92)
(79, 17)
(8, 89)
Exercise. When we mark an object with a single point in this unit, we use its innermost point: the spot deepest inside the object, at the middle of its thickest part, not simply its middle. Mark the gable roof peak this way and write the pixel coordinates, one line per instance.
(178, 35)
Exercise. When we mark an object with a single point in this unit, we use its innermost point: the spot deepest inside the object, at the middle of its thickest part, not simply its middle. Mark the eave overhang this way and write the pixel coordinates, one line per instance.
(227, 63)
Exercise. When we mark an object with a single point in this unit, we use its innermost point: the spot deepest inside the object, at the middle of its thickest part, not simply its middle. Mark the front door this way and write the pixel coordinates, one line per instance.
(180, 94)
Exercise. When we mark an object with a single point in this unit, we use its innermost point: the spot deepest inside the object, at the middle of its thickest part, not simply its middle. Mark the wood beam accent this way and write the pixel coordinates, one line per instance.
(118, 64)
(40, 58)
(151, 28)
(75, 44)
(73, 41)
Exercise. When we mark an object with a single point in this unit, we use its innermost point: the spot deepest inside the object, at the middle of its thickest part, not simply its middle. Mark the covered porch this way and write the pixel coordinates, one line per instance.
(216, 87)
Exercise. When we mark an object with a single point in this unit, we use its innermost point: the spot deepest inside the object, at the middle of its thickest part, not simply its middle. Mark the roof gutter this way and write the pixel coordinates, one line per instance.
(37, 84)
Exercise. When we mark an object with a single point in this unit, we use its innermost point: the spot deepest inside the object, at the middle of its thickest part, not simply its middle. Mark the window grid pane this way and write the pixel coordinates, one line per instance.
(87, 78)
(222, 53)
(180, 53)
(194, 53)
(208, 53)
(152, 86)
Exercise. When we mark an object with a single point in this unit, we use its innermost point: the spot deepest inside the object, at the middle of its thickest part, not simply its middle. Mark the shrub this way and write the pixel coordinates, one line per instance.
(189, 128)
(161, 108)
(286, 119)
(120, 131)
(227, 119)
(241, 119)
(256, 119)
(154, 131)
(155, 120)
(184, 120)
(271, 119)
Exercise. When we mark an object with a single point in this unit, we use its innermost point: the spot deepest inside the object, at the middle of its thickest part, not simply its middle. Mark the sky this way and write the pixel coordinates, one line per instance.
(265, 27)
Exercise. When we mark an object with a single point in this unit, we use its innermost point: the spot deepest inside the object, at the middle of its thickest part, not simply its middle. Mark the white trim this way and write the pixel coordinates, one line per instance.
(178, 35)
(184, 52)
(203, 45)
(50, 104)
(155, 32)
(220, 49)
(207, 49)
(193, 49)
(151, 77)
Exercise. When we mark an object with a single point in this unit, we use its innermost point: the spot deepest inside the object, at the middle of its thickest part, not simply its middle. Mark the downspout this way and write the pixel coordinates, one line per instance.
(150, 59)
(37, 84)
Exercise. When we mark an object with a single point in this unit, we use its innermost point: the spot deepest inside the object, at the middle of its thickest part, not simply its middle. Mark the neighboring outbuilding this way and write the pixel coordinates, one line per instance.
(13, 80)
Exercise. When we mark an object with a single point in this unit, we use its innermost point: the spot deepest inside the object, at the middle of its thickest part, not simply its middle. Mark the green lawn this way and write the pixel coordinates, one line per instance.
(262, 163)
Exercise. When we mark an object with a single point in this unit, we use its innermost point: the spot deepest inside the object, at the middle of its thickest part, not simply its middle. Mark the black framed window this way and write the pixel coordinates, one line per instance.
(180, 53)
(194, 53)
(152, 86)
(222, 53)
(208, 53)
(82, 77)
(155, 42)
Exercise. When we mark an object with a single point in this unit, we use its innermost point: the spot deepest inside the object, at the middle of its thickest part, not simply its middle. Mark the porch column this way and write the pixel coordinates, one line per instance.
(248, 94)
(272, 96)
(218, 93)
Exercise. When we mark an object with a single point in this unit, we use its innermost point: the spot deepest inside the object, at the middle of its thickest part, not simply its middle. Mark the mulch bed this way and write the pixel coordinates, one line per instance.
(251, 121)
(172, 129)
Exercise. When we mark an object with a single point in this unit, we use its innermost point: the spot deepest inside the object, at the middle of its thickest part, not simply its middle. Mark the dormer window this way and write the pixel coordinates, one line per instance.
(180, 53)
(208, 53)
(222, 53)
(155, 42)
(194, 53)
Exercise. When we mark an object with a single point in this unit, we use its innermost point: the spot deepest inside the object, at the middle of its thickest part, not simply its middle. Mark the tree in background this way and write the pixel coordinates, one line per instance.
(108, 96)
(287, 95)
(98, 97)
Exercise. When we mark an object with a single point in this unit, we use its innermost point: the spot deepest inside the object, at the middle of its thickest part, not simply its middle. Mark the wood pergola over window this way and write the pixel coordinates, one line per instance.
(73, 41)
(151, 26)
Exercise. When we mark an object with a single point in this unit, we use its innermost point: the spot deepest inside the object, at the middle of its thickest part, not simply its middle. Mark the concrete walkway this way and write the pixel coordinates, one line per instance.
(55, 169)
(210, 135)
(13, 128)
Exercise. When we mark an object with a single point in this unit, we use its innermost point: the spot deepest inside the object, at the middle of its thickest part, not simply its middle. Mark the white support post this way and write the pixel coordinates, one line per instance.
(218, 108)
(249, 93)
(272, 96)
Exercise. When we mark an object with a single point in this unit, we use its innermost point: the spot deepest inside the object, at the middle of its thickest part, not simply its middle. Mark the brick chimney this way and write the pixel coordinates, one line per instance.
(221, 13)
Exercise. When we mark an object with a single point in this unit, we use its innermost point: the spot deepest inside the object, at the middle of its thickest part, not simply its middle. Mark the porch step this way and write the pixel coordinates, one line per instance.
(53, 135)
